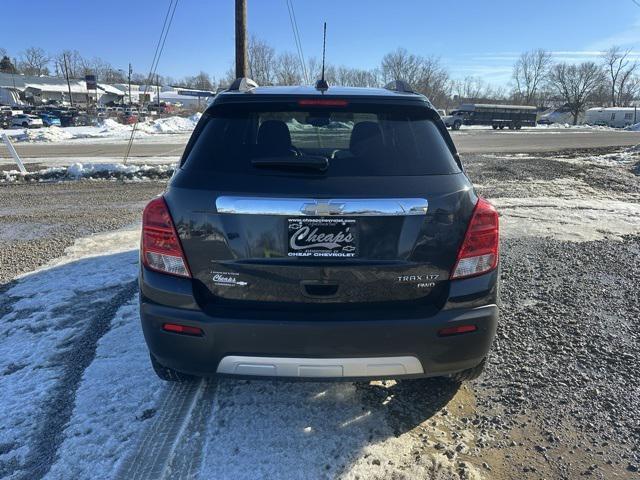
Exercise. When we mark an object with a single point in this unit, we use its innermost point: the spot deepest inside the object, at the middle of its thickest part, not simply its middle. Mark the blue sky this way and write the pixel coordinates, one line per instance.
(472, 37)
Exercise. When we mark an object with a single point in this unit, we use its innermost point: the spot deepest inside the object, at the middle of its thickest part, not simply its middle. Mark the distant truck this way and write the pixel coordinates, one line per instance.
(513, 117)
(617, 117)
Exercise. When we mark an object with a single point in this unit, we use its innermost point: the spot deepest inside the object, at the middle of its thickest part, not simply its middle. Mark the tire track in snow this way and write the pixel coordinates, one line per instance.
(172, 444)
(59, 407)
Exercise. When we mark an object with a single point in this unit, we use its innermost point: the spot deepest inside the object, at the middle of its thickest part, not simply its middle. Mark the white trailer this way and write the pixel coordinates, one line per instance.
(617, 117)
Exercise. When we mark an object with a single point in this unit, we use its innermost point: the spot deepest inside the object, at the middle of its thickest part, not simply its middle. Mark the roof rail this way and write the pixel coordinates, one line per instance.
(399, 86)
(243, 84)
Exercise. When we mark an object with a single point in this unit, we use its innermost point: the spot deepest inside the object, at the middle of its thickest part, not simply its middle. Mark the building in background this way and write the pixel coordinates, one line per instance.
(16, 90)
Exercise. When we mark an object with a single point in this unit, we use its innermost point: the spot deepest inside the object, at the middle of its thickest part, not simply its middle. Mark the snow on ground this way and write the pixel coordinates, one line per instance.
(576, 219)
(108, 129)
(117, 396)
(44, 318)
(257, 429)
(102, 171)
(569, 208)
(315, 430)
(70, 160)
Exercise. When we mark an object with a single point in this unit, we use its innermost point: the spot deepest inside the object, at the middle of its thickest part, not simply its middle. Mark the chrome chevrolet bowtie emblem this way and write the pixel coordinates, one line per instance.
(322, 208)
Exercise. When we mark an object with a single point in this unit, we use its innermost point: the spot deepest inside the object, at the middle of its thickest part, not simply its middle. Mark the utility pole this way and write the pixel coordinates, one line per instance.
(241, 38)
(130, 71)
(66, 73)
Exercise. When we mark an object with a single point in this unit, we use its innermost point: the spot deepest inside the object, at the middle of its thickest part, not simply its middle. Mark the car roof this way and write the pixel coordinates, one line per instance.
(280, 93)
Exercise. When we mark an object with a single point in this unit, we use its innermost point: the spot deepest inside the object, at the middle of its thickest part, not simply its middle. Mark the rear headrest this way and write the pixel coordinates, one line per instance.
(365, 136)
(274, 138)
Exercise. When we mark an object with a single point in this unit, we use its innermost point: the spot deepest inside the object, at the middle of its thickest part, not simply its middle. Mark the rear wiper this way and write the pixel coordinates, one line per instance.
(310, 162)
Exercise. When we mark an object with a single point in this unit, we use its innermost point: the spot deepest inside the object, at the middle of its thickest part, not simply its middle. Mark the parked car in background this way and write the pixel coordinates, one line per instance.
(26, 121)
(497, 116)
(50, 120)
(129, 118)
(617, 117)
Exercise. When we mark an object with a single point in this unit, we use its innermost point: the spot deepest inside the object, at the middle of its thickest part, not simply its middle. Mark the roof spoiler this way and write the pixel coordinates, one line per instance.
(403, 87)
(399, 86)
(243, 84)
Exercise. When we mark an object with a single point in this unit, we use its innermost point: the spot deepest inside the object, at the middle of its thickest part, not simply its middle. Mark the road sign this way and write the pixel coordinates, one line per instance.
(92, 84)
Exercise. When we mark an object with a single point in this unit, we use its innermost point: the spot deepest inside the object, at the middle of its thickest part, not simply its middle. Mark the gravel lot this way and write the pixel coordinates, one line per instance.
(39, 220)
(561, 395)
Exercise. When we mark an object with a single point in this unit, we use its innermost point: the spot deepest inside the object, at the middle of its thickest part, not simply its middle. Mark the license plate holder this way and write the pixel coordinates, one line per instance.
(322, 237)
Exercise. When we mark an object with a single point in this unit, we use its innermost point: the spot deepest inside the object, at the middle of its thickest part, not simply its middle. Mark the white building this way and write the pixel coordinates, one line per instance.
(184, 97)
(18, 89)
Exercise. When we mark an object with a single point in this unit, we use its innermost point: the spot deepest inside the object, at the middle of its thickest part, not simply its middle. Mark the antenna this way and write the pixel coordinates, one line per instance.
(322, 83)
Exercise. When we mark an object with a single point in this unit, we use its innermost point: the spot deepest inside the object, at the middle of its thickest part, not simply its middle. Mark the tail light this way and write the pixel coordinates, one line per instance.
(161, 249)
(479, 251)
(457, 330)
(183, 329)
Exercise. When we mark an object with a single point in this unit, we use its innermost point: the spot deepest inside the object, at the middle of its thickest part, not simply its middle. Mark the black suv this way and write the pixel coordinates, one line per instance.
(323, 233)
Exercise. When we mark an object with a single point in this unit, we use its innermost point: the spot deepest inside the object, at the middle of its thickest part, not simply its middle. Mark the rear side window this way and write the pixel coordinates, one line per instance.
(355, 140)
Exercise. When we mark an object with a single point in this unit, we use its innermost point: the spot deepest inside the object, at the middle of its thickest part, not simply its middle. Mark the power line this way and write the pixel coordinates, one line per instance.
(296, 38)
(168, 19)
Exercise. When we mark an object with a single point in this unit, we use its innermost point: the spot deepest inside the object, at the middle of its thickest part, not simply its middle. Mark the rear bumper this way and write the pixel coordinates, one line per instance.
(295, 346)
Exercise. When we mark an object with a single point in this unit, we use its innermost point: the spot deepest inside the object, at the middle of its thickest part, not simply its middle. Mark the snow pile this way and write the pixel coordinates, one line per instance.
(296, 126)
(108, 128)
(50, 134)
(170, 125)
(633, 128)
(110, 125)
(104, 171)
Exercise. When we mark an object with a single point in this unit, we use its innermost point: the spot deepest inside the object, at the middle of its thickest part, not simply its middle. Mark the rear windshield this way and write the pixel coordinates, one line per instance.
(347, 140)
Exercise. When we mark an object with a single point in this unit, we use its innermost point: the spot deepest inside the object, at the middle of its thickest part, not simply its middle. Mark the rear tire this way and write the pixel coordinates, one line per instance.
(495, 127)
(456, 125)
(471, 373)
(169, 374)
(501, 127)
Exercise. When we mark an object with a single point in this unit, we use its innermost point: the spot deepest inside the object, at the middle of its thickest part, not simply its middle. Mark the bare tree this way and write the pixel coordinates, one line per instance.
(201, 81)
(34, 61)
(620, 72)
(261, 61)
(287, 69)
(3, 52)
(576, 84)
(425, 74)
(355, 77)
(434, 81)
(75, 64)
(529, 73)
(401, 65)
(474, 89)
(628, 90)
